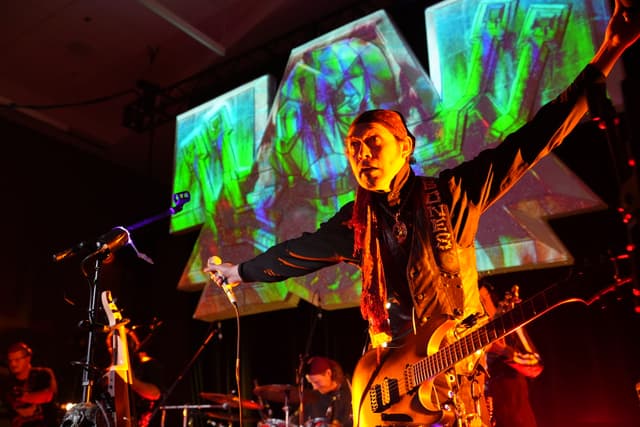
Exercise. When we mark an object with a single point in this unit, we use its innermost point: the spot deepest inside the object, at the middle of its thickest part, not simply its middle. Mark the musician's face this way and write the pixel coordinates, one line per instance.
(19, 362)
(323, 382)
(375, 155)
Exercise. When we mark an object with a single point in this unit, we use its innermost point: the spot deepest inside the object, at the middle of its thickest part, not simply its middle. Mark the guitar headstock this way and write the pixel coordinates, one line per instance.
(114, 314)
(591, 282)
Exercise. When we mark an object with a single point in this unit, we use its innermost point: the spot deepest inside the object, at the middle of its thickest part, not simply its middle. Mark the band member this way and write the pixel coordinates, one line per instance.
(147, 379)
(30, 391)
(512, 361)
(413, 239)
(329, 400)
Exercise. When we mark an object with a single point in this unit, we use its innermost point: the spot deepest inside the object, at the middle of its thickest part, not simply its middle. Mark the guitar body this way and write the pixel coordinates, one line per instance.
(382, 396)
(407, 385)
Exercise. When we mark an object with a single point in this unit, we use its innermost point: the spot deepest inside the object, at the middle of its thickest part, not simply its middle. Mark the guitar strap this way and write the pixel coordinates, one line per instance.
(445, 248)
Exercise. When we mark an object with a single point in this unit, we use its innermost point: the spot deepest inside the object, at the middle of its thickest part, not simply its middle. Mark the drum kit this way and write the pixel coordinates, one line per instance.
(224, 410)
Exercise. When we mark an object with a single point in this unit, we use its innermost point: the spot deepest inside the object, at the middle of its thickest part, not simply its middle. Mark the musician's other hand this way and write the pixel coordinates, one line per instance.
(624, 25)
(623, 30)
(224, 271)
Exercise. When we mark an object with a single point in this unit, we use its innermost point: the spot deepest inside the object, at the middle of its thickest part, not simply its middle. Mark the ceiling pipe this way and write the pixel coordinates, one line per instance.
(183, 25)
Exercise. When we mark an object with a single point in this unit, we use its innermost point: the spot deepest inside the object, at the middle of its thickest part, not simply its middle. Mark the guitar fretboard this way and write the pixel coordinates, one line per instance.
(497, 328)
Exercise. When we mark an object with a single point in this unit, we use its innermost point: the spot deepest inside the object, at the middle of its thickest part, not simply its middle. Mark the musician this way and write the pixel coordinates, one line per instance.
(329, 400)
(512, 362)
(419, 262)
(29, 392)
(147, 379)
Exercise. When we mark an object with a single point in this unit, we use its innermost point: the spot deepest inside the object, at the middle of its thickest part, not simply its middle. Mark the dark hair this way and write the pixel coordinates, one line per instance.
(393, 120)
(318, 364)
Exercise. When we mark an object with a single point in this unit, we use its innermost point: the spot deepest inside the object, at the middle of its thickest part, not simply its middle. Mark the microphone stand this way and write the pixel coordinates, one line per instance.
(103, 249)
(213, 331)
(303, 360)
(87, 410)
(300, 383)
(87, 382)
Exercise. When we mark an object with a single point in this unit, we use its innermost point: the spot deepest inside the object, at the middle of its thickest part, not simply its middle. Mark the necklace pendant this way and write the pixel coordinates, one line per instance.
(399, 231)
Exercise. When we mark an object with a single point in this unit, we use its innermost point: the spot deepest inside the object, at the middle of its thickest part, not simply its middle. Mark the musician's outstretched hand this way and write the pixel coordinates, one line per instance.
(219, 272)
(623, 30)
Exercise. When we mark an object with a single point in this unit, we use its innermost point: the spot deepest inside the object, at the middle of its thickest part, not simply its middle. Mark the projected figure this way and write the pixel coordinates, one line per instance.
(303, 173)
(413, 239)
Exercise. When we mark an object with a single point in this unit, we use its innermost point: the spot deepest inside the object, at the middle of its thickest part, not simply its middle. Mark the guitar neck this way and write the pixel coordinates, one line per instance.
(481, 337)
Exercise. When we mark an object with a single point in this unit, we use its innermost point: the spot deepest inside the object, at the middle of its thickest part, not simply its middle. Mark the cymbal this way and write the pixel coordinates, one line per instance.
(230, 400)
(278, 393)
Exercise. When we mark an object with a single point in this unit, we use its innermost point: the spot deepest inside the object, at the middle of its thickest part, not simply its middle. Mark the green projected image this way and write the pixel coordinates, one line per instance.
(215, 147)
(214, 159)
(508, 60)
(492, 65)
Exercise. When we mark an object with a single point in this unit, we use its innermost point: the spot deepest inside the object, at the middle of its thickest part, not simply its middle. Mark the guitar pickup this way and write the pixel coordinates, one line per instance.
(383, 395)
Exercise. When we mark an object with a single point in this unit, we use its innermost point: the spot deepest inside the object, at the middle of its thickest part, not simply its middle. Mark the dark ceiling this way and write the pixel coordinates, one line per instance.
(110, 77)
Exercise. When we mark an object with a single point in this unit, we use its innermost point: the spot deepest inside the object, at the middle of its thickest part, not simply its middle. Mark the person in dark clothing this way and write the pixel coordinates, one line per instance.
(512, 361)
(329, 400)
(146, 379)
(413, 239)
(29, 391)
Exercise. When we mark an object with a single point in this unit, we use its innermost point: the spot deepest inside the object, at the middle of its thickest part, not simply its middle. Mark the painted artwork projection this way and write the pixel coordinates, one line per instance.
(304, 174)
(493, 64)
(216, 144)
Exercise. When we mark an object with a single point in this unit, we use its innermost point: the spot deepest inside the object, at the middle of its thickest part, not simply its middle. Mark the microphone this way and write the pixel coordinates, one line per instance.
(105, 244)
(72, 251)
(111, 241)
(226, 286)
(180, 199)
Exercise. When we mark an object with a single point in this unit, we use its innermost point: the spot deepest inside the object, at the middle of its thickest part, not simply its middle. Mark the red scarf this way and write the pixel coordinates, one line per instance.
(367, 242)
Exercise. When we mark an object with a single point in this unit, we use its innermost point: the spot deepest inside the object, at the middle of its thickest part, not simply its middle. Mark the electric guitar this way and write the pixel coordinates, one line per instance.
(393, 386)
(119, 373)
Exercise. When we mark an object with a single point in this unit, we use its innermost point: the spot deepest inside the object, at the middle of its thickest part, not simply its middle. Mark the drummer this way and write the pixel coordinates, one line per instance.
(329, 401)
